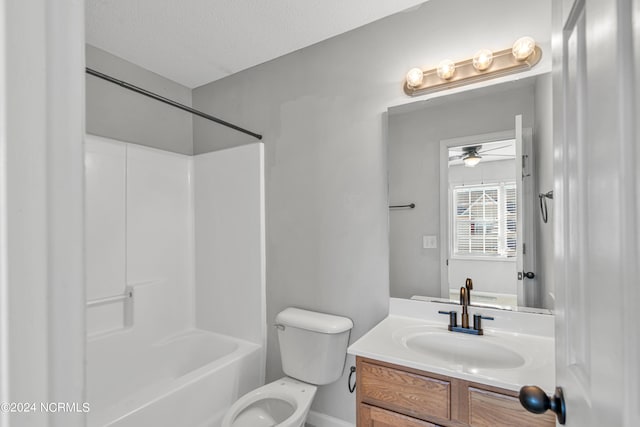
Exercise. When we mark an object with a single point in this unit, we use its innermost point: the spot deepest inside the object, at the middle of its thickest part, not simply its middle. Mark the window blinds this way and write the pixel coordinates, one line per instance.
(485, 220)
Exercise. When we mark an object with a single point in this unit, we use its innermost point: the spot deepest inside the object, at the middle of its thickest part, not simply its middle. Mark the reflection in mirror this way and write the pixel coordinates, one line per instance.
(423, 240)
(482, 220)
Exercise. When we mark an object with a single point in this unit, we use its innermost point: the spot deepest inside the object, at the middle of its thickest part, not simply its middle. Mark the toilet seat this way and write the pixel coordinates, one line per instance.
(282, 403)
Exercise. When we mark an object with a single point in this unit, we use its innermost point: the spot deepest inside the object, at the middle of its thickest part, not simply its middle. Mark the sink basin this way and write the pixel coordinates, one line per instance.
(516, 348)
(469, 351)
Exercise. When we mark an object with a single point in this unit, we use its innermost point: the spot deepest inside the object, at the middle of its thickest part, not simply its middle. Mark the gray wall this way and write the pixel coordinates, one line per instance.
(414, 173)
(320, 110)
(115, 112)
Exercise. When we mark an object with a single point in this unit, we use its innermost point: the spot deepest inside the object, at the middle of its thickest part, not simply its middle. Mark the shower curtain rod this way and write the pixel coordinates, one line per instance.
(169, 101)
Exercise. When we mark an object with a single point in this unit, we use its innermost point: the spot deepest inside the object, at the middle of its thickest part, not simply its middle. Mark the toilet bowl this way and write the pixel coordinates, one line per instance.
(283, 403)
(313, 348)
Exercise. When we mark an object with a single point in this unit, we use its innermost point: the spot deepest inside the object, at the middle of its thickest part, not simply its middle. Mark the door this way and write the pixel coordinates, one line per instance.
(42, 333)
(596, 210)
(527, 288)
(519, 234)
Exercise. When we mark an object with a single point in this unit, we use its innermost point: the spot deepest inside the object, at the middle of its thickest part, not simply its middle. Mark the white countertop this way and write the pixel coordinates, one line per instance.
(528, 335)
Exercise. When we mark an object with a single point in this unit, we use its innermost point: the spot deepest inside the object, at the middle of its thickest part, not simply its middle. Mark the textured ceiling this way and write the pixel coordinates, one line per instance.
(194, 42)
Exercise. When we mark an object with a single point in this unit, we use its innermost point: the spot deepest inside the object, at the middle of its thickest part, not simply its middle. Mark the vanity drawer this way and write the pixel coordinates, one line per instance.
(371, 416)
(404, 392)
(489, 409)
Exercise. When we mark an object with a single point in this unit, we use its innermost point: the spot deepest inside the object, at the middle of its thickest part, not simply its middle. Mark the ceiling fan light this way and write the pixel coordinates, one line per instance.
(471, 159)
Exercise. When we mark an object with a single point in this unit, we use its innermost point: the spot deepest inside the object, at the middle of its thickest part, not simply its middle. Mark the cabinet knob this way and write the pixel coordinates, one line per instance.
(535, 400)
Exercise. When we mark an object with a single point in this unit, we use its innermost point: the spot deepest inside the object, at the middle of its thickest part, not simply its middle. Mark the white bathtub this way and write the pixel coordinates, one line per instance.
(186, 380)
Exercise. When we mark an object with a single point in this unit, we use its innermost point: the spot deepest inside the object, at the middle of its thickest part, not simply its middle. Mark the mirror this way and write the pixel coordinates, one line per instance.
(480, 230)
(481, 222)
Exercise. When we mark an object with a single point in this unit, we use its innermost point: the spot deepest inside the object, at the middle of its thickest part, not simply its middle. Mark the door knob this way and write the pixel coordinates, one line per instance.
(535, 400)
(527, 274)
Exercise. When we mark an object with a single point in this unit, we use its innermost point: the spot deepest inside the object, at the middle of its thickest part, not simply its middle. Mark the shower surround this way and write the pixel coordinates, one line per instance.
(181, 239)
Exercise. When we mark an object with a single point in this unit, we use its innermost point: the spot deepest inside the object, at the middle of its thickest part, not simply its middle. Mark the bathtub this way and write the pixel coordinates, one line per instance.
(185, 380)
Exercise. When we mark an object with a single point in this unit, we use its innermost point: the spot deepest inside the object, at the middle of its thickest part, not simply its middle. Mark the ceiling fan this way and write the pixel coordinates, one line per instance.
(472, 154)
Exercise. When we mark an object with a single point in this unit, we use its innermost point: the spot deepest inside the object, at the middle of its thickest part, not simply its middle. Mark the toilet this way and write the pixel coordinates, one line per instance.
(313, 348)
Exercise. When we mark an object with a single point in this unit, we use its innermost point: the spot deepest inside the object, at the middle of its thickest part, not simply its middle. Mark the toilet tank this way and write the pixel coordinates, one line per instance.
(313, 346)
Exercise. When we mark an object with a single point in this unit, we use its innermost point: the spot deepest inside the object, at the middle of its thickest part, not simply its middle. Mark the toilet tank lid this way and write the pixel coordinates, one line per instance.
(313, 321)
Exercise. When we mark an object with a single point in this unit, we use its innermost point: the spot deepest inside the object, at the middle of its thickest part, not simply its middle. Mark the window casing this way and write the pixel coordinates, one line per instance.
(484, 220)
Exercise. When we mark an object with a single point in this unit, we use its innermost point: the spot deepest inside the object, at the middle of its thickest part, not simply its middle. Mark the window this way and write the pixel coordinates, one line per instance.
(484, 220)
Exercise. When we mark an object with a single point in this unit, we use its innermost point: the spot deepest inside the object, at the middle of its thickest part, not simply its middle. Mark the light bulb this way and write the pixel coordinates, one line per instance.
(414, 77)
(446, 69)
(472, 159)
(482, 59)
(523, 48)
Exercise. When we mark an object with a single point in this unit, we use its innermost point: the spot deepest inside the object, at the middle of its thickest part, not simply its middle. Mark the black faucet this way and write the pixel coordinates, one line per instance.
(465, 299)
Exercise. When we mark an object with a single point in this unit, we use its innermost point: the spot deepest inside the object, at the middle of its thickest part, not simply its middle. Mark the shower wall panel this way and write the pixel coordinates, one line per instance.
(139, 233)
(160, 239)
(230, 263)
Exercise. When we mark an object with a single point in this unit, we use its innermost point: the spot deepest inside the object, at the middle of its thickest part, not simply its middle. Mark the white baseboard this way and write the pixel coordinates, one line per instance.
(316, 419)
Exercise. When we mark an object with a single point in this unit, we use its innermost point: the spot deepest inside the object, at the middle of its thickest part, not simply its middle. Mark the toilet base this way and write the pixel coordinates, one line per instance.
(264, 413)
(282, 403)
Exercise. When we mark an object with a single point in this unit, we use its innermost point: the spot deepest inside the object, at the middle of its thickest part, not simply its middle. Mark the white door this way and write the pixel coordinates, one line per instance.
(596, 210)
(42, 328)
(520, 288)
(526, 285)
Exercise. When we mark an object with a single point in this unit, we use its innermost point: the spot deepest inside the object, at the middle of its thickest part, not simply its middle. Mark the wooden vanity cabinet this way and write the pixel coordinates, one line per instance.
(396, 396)
(372, 416)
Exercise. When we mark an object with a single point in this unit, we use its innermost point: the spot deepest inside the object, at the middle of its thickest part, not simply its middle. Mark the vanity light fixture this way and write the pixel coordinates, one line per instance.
(446, 69)
(414, 77)
(482, 59)
(485, 64)
(523, 48)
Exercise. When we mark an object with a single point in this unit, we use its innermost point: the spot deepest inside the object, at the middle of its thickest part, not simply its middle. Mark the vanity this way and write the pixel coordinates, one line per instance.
(413, 372)
(475, 236)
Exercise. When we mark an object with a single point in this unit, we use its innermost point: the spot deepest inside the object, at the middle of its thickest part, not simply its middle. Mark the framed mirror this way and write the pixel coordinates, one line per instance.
(479, 222)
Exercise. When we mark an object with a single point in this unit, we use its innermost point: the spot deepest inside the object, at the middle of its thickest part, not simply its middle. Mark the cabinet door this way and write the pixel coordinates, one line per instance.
(370, 416)
(412, 394)
(488, 409)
